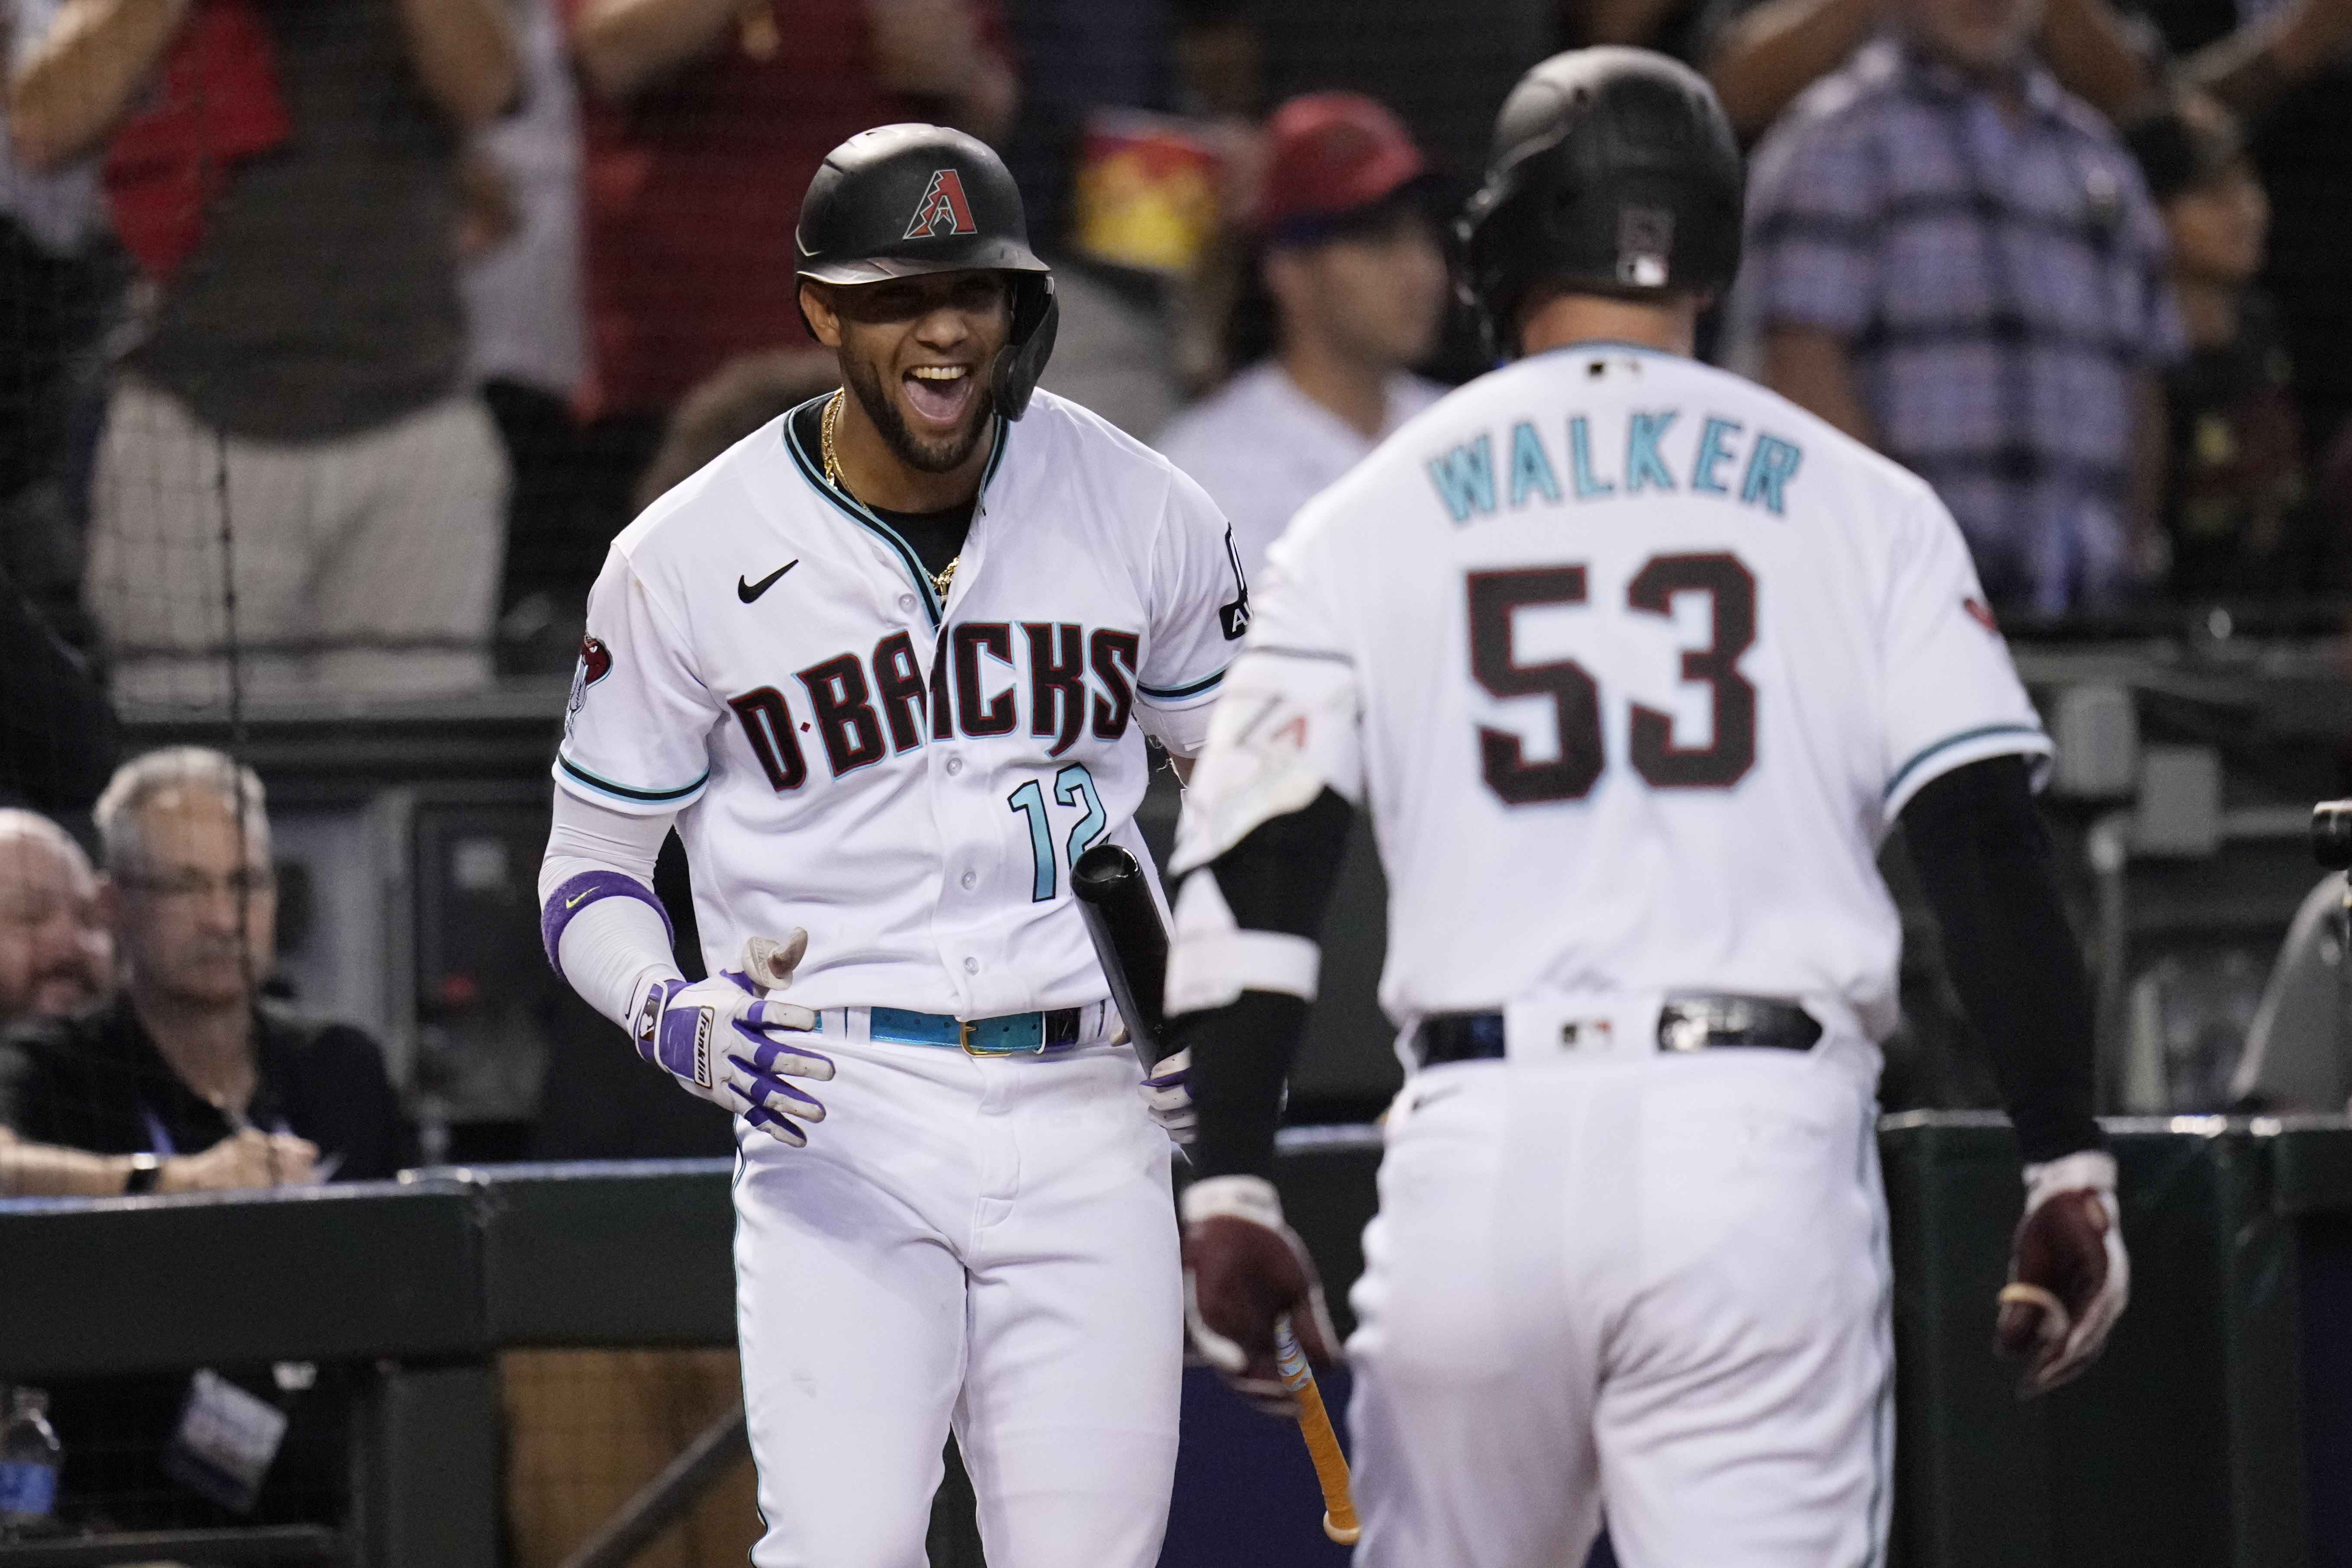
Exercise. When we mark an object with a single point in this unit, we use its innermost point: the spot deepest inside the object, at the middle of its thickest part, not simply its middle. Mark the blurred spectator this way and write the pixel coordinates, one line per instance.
(745, 394)
(60, 276)
(1953, 259)
(2284, 67)
(2275, 48)
(58, 739)
(527, 330)
(2238, 513)
(55, 957)
(1354, 284)
(186, 1055)
(184, 1062)
(285, 172)
(1760, 56)
(1077, 57)
(706, 120)
(1444, 69)
(56, 960)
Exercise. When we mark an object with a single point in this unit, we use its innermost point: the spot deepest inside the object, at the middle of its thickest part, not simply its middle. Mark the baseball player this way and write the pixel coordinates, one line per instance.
(887, 665)
(1633, 664)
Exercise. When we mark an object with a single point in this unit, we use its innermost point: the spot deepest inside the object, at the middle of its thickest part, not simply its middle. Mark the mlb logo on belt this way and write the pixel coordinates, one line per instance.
(943, 203)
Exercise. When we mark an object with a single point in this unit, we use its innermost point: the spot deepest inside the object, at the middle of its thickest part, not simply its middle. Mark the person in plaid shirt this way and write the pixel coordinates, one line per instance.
(1953, 259)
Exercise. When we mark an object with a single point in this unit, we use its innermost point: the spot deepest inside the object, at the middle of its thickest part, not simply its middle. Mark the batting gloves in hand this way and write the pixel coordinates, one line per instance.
(1244, 1269)
(2069, 1276)
(728, 1045)
(1168, 1095)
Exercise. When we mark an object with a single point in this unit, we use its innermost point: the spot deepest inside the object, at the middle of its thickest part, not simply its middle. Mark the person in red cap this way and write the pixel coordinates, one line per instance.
(1347, 252)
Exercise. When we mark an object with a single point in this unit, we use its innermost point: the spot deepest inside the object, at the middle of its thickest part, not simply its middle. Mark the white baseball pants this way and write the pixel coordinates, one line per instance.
(984, 1241)
(1656, 1285)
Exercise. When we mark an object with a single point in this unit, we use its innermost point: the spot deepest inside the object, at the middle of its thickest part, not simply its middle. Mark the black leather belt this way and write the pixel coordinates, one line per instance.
(1684, 1024)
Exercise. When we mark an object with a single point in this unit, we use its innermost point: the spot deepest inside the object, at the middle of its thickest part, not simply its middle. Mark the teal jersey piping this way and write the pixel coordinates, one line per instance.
(812, 470)
(1169, 693)
(1947, 742)
(623, 792)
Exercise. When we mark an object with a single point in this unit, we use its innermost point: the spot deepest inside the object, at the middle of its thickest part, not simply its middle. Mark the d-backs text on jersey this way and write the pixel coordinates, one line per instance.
(865, 707)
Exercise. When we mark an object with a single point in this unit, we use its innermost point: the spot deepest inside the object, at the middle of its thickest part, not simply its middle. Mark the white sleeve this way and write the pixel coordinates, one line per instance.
(1288, 726)
(613, 945)
(1200, 609)
(636, 733)
(1952, 696)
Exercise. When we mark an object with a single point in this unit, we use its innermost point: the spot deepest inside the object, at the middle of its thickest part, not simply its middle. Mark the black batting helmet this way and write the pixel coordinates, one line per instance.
(901, 200)
(1614, 172)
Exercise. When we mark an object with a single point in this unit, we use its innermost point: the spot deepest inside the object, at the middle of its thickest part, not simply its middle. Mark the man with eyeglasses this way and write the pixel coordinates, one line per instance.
(186, 1055)
(185, 1059)
(56, 960)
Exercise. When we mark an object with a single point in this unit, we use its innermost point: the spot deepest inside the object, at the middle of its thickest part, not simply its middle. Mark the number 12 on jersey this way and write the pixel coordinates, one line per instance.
(1073, 787)
(1730, 589)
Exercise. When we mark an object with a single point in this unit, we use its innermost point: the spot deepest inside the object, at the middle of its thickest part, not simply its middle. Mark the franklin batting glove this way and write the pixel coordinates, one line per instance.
(1244, 1268)
(726, 1043)
(1168, 1095)
(2069, 1276)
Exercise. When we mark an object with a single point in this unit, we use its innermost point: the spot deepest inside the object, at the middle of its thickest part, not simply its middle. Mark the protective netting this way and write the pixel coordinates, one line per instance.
(338, 339)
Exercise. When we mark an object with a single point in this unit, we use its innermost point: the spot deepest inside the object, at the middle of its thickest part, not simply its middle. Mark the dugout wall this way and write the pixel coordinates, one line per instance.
(2218, 1431)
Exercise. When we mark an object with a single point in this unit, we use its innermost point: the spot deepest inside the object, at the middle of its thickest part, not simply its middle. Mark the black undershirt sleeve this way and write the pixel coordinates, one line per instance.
(1985, 863)
(1278, 879)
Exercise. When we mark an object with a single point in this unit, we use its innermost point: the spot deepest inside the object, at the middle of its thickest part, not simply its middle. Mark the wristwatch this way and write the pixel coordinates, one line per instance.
(146, 1169)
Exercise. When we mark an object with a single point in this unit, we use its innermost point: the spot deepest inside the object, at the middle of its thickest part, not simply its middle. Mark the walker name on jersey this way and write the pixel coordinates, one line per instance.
(1662, 453)
(862, 708)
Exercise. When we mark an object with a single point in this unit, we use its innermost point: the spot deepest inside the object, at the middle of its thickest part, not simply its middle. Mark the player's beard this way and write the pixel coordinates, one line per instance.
(926, 456)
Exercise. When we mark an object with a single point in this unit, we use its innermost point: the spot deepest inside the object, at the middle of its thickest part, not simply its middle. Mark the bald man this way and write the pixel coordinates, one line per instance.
(57, 959)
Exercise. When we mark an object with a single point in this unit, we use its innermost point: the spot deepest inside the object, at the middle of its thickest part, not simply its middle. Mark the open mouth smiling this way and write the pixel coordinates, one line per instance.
(939, 394)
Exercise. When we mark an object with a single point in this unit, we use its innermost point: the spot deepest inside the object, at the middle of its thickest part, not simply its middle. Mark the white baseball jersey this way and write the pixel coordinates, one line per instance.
(1633, 663)
(910, 781)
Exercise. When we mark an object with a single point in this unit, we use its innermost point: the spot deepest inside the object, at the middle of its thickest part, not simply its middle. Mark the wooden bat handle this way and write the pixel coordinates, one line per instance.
(1322, 1442)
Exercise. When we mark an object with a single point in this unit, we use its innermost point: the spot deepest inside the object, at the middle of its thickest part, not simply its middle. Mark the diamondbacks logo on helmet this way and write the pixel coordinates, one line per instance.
(943, 203)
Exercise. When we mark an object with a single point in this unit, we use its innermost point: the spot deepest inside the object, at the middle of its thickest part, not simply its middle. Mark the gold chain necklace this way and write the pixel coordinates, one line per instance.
(942, 579)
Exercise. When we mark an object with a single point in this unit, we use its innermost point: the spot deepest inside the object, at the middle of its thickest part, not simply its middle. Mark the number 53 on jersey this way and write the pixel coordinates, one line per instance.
(1662, 759)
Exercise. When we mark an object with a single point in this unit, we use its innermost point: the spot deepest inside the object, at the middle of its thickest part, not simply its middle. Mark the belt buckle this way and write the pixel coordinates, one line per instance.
(965, 1028)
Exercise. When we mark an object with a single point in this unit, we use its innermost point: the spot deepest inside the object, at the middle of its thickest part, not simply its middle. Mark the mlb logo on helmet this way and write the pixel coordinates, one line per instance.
(1645, 245)
(943, 203)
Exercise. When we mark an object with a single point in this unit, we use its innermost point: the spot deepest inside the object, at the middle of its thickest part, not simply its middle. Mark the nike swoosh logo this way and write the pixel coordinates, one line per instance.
(747, 592)
(574, 902)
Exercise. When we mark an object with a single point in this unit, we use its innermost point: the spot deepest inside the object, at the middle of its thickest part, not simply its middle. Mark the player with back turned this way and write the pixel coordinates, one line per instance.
(887, 665)
(1633, 664)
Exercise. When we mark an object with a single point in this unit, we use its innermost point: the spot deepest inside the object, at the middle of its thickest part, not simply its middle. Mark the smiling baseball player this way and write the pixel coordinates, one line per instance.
(1633, 664)
(887, 664)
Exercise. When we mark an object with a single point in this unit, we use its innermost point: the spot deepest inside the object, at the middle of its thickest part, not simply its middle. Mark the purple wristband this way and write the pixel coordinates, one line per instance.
(584, 890)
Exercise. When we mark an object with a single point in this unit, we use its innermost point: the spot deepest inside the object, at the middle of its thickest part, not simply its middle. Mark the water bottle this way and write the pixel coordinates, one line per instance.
(30, 1456)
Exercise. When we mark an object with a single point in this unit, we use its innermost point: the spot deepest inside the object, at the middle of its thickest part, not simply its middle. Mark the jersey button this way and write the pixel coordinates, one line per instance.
(969, 877)
(906, 601)
(972, 966)
(955, 766)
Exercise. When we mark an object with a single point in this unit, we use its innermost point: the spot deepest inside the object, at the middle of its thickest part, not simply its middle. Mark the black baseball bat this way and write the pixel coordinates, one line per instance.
(1114, 897)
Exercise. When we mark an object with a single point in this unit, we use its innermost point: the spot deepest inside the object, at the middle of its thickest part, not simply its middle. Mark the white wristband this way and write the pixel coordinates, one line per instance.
(1251, 1198)
(2094, 1168)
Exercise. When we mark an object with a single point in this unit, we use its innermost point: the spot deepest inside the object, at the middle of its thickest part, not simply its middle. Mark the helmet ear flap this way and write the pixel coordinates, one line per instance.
(1037, 315)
